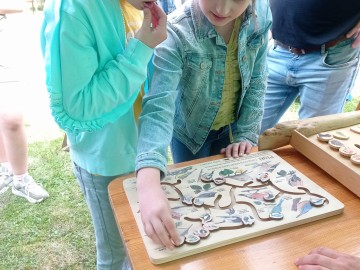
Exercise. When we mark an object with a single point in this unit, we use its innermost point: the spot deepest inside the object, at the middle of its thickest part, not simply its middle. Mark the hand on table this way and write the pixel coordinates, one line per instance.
(327, 259)
(154, 209)
(153, 29)
(236, 150)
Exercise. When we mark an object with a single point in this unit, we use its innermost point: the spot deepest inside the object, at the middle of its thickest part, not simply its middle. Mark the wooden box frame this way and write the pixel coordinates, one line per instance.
(297, 134)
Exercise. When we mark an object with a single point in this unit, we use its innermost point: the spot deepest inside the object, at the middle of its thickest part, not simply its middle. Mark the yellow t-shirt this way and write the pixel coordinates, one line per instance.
(232, 83)
(133, 19)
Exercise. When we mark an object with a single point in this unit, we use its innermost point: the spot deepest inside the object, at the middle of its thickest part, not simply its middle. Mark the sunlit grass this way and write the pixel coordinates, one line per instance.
(54, 234)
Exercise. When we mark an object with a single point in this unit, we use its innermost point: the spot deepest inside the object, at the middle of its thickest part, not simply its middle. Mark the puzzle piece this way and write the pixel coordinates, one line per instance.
(200, 194)
(170, 192)
(237, 177)
(217, 219)
(173, 176)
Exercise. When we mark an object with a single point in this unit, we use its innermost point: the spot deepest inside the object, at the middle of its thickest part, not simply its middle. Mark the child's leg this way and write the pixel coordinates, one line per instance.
(13, 149)
(109, 247)
(5, 177)
(14, 141)
(3, 157)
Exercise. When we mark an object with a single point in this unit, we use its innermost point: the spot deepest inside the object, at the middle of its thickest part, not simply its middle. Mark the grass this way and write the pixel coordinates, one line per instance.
(54, 234)
(352, 104)
(57, 233)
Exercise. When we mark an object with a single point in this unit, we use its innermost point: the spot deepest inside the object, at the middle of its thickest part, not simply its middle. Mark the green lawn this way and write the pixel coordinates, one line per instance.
(57, 233)
(54, 234)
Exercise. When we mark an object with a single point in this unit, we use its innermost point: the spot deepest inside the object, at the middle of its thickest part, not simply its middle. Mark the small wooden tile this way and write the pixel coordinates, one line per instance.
(347, 151)
(341, 135)
(355, 159)
(324, 137)
(355, 129)
(335, 144)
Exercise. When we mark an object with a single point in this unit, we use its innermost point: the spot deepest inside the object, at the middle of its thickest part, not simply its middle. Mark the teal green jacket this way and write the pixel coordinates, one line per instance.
(93, 78)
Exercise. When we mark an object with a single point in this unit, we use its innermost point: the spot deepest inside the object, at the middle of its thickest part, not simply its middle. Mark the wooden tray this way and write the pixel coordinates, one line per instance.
(329, 159)
(227, 199)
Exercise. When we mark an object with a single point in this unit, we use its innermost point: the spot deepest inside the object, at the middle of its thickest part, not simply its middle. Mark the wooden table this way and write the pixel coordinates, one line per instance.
(275, 251)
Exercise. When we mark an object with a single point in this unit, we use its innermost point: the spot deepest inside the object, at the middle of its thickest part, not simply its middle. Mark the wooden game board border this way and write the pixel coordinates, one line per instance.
(281, 134)
(338, 167)
(296, 133)
(334, 207)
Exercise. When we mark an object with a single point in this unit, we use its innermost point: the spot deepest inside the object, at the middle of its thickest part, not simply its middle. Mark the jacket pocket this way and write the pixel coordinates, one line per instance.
(196, 80)
(255, 41)
(199, 63)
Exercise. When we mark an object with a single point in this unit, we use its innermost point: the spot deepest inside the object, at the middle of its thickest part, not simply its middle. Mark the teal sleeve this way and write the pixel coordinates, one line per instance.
(92, 78)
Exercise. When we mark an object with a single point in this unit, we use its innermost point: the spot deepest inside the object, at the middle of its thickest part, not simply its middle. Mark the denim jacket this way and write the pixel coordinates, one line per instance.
(186, 89)
(167, 5)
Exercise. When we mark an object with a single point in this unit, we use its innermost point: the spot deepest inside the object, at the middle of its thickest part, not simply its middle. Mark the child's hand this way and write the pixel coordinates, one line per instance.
(154, 15)
(154, 209)
(236, 150)
(153, 29)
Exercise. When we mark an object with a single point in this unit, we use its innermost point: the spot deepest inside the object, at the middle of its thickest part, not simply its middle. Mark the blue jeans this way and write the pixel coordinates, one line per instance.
(109, 246)
(214, 142)
(321, 80)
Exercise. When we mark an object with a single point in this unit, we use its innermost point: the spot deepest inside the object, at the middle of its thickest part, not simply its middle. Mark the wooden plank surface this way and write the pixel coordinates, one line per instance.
(280, 135)
(329, 159)
(277, 250)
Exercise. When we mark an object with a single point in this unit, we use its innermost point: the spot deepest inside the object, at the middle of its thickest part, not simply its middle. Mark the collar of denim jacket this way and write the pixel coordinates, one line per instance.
(203, 28)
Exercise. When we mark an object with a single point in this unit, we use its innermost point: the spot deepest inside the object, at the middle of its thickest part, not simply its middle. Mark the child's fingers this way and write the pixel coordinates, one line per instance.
(147, 17)
(154, 21)
(157, 11)
(162, 234)
(153, 31)
(171, 229)
(154, 15)
(154, 12)
(158, 14)
(149, 230)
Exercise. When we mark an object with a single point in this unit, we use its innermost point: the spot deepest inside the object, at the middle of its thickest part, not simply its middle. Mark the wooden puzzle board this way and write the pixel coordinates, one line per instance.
(330, 160)
(225, 201)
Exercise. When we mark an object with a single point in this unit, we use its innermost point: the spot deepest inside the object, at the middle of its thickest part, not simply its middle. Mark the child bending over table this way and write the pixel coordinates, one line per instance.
(206, 96)
(96, 55)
